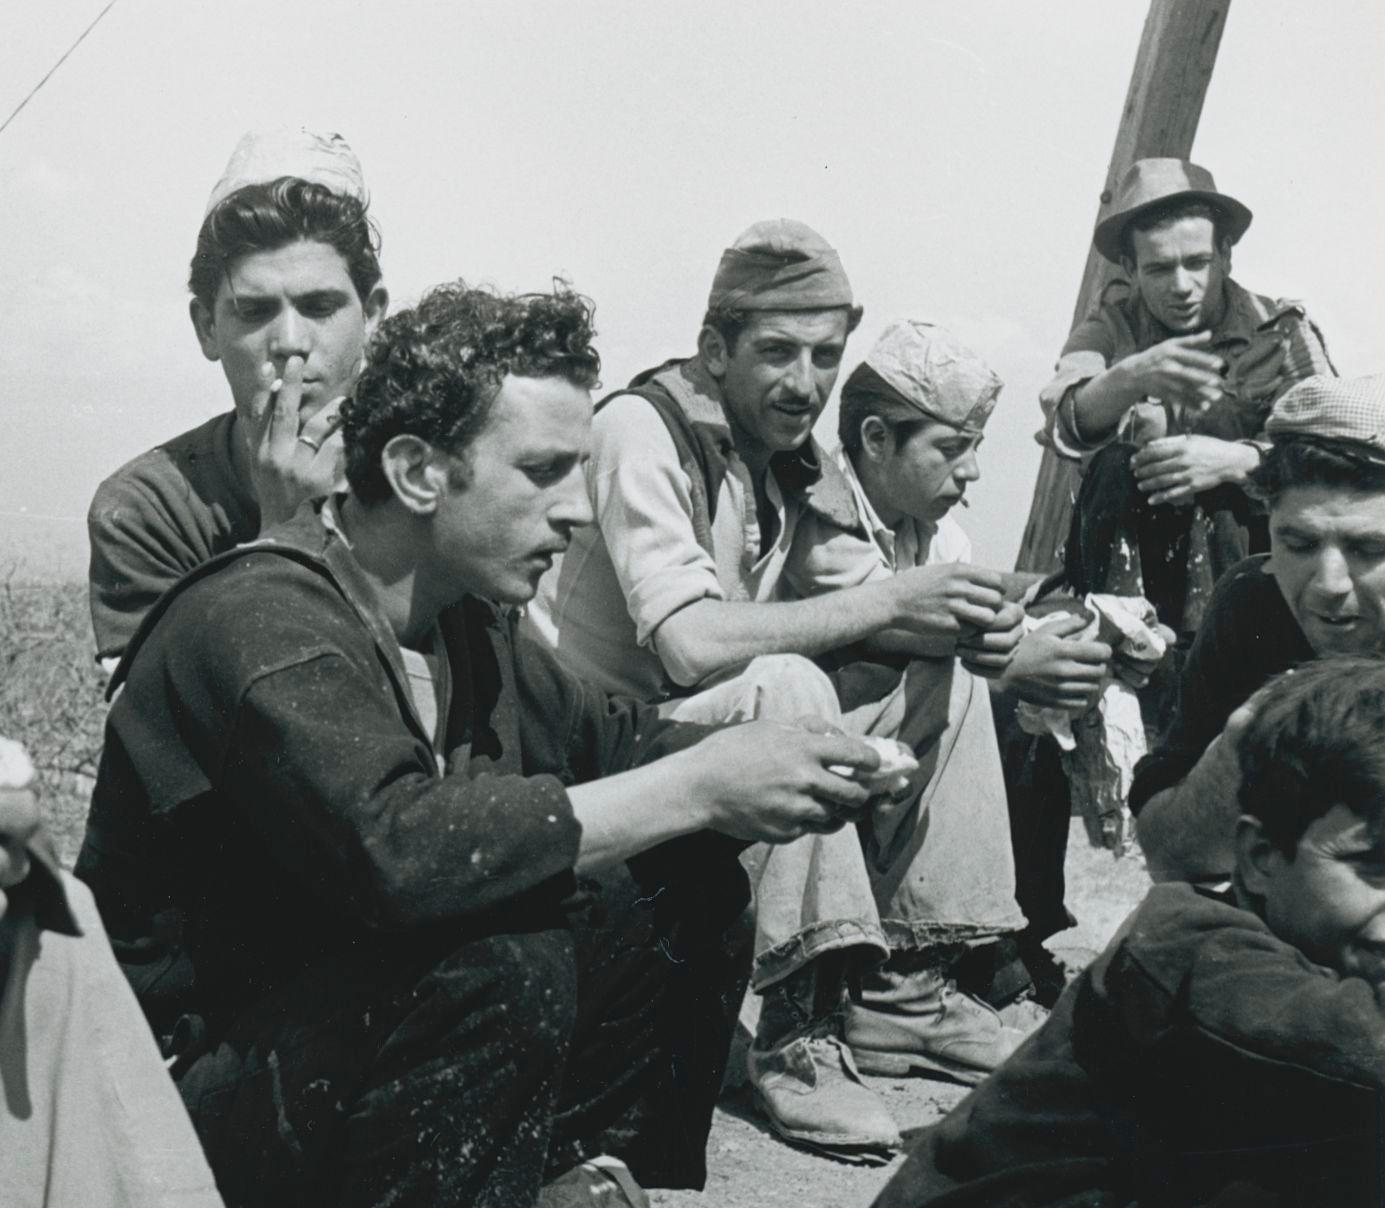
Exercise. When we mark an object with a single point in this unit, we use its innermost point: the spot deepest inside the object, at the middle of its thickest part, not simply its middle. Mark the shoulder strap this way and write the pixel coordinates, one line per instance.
(700, 451)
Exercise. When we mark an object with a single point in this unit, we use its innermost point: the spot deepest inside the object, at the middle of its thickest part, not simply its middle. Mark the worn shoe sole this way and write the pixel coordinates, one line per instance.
(842, 1146)
(906, 1065)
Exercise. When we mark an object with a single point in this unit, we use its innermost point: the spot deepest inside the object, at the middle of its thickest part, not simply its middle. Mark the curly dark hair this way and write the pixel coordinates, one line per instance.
(434, 369)
(1316, 461)
(265, 217)
(1314, 742)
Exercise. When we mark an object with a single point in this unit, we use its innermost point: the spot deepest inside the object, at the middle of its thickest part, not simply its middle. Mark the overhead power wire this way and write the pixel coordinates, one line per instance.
(80, 38)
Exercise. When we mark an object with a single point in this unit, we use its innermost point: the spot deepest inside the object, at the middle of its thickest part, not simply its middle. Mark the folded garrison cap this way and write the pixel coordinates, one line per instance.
(933, 371)
(780, 264)
(324, 158)
(1333, 408)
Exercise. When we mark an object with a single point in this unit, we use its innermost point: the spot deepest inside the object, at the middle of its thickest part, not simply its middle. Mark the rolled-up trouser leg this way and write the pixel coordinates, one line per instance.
(813, 895)
(664, 946)
(404, 1072)
(940, 863)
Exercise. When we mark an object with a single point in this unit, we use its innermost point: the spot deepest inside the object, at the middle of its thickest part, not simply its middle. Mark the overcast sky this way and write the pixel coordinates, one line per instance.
(953, 152)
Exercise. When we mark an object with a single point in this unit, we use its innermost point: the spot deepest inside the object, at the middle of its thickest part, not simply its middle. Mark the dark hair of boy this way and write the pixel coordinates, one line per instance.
(264, 217)
(1317, 740)
(865, 394)
(433, 370)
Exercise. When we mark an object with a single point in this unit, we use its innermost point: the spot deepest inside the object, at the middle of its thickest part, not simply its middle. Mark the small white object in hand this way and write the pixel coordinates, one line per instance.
(897, 762)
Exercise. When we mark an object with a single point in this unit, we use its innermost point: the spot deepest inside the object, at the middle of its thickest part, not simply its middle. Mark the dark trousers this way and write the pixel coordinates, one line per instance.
(420, 1070)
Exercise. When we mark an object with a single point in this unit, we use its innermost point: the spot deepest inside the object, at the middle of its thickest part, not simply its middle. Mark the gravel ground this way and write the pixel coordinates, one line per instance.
(748, 1167)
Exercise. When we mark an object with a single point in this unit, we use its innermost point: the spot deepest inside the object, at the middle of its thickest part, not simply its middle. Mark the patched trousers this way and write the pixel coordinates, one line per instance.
(935, 868)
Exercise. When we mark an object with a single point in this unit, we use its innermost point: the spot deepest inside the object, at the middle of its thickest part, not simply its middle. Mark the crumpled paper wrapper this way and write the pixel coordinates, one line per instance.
(1102, 746)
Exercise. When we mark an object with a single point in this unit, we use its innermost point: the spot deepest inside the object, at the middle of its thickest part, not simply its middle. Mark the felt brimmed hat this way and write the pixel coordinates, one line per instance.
(1153, 182)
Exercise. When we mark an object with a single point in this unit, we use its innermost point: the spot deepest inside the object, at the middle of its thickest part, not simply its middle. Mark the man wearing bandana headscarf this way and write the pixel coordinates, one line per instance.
(286, 289)
(690, 589)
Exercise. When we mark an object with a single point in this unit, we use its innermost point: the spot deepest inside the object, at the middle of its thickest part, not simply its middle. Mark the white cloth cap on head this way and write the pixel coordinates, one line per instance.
(1336, 408)
(264, 155)
(935, 372)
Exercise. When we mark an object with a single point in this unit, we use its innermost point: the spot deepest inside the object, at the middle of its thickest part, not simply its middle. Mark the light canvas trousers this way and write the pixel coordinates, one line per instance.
(89, 1118)
(933, 869)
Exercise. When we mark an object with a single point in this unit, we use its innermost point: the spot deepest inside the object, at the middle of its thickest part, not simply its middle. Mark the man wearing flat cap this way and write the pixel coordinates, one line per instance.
(1162, 393)
(1319, 592)
(286, 289)
(692, 589)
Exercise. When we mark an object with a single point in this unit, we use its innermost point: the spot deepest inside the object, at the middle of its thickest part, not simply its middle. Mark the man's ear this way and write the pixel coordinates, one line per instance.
(377, 304)
(711, 347)
(1128, 267)
(204, 324)
(1257, 858)
(416, 471)
(1224, 249)
(877, 441)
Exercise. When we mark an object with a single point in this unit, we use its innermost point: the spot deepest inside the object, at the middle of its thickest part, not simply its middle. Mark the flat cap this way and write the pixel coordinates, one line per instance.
(323, 158)
(779, 264)
(1347, 409)
(933, 371)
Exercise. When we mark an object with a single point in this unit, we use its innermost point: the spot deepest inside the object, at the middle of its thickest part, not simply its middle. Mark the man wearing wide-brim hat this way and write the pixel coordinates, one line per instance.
(1163, 390)
(704, 479)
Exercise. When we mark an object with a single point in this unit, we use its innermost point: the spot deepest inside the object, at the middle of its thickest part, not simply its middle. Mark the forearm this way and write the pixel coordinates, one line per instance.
(1099, 405)
(710, 635)
(1186, 831)
(630, 812)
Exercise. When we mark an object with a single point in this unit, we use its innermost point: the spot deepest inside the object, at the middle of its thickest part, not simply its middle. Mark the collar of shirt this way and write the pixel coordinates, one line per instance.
(1245, 314)
(905, 545)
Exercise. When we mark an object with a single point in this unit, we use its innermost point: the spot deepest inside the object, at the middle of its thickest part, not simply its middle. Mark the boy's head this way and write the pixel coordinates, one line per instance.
(287, 264)
(473, 414)
(911, 420)
(1310, 844)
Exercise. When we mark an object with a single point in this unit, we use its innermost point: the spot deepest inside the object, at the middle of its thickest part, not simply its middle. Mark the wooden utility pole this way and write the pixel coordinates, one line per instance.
(1172, 70)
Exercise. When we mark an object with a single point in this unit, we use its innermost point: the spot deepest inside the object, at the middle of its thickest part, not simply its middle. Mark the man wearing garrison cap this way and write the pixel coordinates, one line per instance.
(1319, 592)
(1162, 392)
(692, 589)
(286, 289)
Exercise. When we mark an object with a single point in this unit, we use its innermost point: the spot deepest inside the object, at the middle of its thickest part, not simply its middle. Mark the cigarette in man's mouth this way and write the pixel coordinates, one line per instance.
(965, 502)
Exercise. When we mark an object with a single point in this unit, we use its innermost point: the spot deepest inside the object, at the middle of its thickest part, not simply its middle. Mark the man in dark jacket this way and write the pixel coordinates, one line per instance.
(1225, 1050)
(421, 918)
(1321, 591)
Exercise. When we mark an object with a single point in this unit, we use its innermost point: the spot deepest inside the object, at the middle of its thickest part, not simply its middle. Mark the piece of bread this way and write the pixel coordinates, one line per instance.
(897, 763)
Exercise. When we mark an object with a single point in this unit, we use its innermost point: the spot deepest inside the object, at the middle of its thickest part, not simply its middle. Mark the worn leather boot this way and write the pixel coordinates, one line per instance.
(805, 1080)
(912, 1019)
